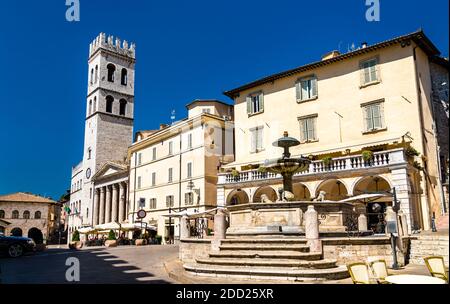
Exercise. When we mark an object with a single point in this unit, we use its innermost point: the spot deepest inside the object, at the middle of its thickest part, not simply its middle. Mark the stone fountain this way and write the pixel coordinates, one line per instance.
(285, 216)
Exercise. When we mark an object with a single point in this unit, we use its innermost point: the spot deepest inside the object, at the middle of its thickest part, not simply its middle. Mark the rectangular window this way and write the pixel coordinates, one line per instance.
(189, 198)
(154, 153)
(306, 88)
(153, 178)
(169, 201)
(152, 203)
(308, 128)
(139, 158)
(139, 179)
(170, 175)
(369, 71)
(373, 116)
(170, 147)
(189, 141)
(189, 170)
(256, 139)
(255, 103)
(206, 111)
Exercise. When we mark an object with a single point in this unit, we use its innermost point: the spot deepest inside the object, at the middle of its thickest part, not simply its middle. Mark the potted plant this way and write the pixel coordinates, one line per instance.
(262, 169)
(327, 160)
(417, 165)
(111, 240)
(235, 173)
(367, 155)
(411, 152)
(76, 243)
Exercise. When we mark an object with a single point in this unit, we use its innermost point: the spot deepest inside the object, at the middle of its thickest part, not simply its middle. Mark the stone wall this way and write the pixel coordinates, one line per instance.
(190, 249)
(349, 250)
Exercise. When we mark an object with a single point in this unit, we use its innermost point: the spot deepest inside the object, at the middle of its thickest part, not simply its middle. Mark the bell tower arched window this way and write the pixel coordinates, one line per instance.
(95, 104)
(111, 70)
(92, 76)
(123, 107)
(96, 74)
(109, 104)
(90, 107)
(124, 77)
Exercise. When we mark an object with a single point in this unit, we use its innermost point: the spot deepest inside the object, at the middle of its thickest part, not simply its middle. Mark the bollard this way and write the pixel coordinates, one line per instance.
(220, 225)
(185, 232)
(312, 229)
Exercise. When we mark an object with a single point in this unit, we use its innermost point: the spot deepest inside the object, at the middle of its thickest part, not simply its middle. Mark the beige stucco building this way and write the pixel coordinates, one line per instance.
(29, 215)
(360, 116)
(175, 168)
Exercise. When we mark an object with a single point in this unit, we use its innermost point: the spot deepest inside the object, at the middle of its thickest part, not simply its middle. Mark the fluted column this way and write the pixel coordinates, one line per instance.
(96, 206)
(108, 205)
(115, 196)
(122, 202)
(102, 206)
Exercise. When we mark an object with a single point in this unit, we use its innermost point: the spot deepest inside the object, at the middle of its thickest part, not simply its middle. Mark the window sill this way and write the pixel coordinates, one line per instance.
(253, 114)
(374, 131)
(368, 84)
(257, 151)
(308, 99)
(309, 141)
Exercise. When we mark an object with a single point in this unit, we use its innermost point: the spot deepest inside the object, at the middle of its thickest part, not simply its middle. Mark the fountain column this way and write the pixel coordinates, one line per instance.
(312, 230)
(362, 222)
(185, 232)
(220, 225)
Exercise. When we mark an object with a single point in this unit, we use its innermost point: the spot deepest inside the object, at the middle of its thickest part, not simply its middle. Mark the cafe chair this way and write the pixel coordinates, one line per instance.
(379, 271)
(436, 267)
(359, 273)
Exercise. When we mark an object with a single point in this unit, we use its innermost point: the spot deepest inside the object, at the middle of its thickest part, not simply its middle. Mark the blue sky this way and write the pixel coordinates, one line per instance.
(185, 50)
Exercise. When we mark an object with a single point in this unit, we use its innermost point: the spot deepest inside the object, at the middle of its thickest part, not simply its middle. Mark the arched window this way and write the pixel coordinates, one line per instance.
(109, 104)
(89, 153)
(37, 215)
(96, 74)
(111, 69)
(95, 104)
(2, 213)
(90, 107)
(123, 107)
(92, 76)
(124, 77)
(15, 214)
(26, 214)
(87, 212)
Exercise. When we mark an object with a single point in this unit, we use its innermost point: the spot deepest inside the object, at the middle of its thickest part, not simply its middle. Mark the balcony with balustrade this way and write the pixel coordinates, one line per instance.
(321, 168)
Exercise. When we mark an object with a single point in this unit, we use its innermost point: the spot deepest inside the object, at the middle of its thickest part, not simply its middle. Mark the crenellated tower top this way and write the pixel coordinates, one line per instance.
(108, 43)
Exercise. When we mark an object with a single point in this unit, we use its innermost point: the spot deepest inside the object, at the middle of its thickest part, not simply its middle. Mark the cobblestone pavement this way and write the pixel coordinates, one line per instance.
(127, 264)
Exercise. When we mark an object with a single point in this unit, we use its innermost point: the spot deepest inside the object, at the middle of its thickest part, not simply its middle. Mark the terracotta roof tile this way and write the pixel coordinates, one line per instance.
(25, 197)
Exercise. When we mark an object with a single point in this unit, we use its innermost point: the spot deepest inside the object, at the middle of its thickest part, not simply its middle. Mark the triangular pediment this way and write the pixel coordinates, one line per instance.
(110, 169)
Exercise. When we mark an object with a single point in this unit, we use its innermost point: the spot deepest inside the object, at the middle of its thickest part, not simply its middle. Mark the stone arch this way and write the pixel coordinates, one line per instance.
(109, 103)
(16, 231)
(37, 215)
(267, 190)
(26, 214)
(301, 192)
(15, 214)
(335, 189)
(237, 197)
(124, 77)
(369, 184)
(36, 234)
(122, 107)
(111, 70)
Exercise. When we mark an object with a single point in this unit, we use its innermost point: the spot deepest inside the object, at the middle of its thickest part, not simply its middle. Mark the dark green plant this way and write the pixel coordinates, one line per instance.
(235, 173)
(158, 239)
(367, 155)
(411, 152)
(76, 236)
(417, 165)
(262, 169)
(111, 235)
(327, 160)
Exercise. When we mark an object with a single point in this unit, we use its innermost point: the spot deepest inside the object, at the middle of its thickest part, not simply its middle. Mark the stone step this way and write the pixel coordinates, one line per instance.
(267, 255)
(285, 263)
(335, 273)
(264, 241)
(265, 247)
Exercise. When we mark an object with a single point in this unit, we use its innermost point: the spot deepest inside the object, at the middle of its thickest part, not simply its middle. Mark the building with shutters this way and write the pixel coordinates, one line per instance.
(365, 118)
(175, 168)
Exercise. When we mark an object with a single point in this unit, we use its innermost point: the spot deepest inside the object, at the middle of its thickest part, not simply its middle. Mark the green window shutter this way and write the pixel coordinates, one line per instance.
(261, 102)
(303, 130)
(314, 87)
(382, 122)
(367, 120)
(298, 92)
(259, 142)
(253, 140)
(249, 105)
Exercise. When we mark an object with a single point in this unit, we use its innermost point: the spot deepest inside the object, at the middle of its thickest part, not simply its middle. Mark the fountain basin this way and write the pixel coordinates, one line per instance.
(287, 218)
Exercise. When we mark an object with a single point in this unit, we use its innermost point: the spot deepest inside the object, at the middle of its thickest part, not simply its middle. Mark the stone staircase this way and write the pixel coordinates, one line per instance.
(428, 244)
(267, 258)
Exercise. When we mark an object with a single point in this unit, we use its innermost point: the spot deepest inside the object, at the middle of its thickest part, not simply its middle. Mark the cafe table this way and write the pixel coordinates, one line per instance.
(413, 279)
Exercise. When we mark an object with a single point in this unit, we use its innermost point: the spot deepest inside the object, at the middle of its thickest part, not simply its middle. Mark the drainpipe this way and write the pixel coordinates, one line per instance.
(419, 106)
(179, 184)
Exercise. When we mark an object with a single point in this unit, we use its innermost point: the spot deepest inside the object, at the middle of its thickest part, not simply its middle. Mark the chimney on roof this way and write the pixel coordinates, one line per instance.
(330, 55)
(162, 126)
(363, 45)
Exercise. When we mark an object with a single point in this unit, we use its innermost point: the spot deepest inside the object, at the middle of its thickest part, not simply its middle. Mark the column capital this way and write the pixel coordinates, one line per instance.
(102, 189)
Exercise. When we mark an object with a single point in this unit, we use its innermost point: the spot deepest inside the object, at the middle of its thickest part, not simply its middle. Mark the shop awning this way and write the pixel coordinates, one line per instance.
(191, 214)
(365, 197)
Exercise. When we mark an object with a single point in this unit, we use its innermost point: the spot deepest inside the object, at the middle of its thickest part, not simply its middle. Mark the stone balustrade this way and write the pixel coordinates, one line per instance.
(338, 164)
